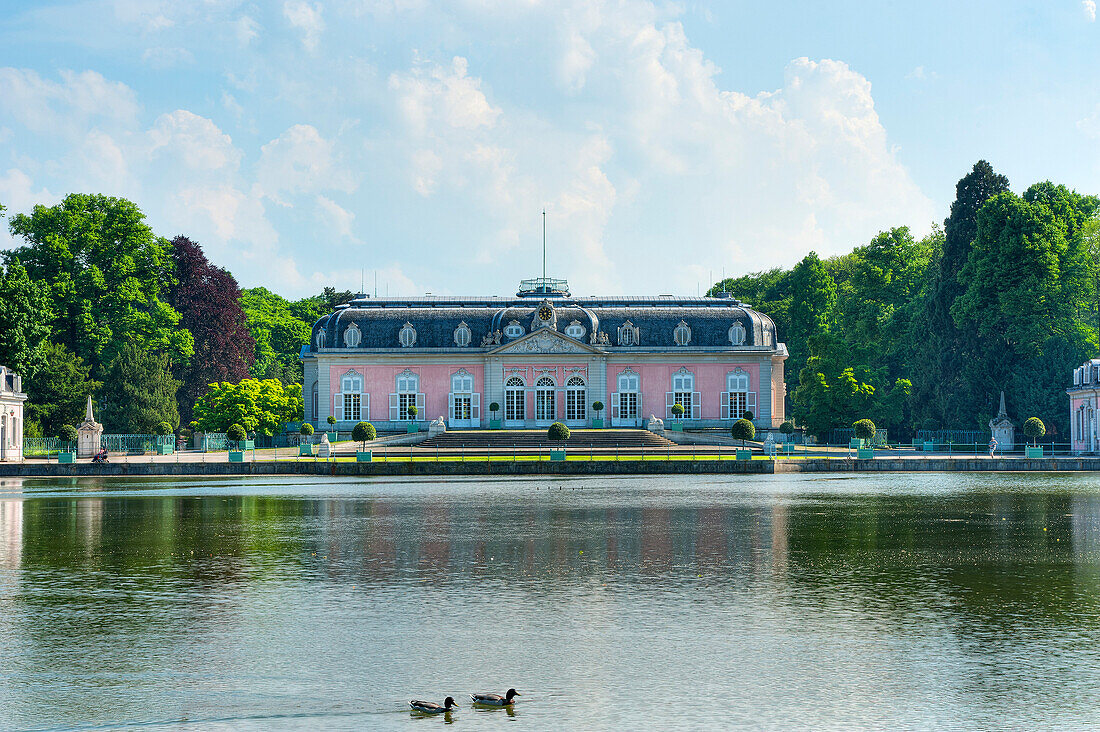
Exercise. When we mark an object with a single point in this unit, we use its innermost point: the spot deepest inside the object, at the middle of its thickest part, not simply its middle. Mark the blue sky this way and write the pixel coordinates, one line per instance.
(303, 142)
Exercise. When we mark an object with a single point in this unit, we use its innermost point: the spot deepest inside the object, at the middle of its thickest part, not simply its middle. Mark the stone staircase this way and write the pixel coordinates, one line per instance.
(579, 438)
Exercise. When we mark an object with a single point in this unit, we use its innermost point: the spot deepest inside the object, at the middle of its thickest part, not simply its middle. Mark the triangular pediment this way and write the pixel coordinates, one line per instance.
(544, 340)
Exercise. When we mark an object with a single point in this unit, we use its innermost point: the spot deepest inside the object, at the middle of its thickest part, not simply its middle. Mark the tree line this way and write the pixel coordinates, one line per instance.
(925, 334)
(94, 302)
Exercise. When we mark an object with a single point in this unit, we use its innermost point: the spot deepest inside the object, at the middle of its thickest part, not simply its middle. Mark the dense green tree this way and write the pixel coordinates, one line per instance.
(813, 295)
(138, 392)
(59, 394)
(278, 333)
(107, 274)
(261, 406)
(207, 298)
(24, 321)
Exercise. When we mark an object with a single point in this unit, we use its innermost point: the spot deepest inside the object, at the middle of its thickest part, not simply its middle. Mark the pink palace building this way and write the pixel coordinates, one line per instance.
(1084, 406)
(543, 356)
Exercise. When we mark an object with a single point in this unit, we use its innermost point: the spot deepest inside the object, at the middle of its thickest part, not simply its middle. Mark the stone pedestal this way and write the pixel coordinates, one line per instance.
(89, 434)
(1003, 429)
(324, 448)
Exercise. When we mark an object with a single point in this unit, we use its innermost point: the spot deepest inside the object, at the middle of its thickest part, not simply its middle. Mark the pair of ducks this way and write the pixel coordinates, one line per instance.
(487, 700)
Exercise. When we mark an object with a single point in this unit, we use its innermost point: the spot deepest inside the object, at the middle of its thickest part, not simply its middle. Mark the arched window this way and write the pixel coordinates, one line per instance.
(353, 336)
(463, 336)
(544, 400)
(681, 336)
(514, 400)
(576, 399)
(737, 399)
(513, 329)
(683, 393)
(407, 395)
(407, 336)
(737, 334)
(575, 330)
(629, 335)
(320, 339)
(349, 403)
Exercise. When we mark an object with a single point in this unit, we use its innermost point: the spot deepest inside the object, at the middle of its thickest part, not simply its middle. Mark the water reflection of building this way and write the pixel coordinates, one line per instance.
(11, 533)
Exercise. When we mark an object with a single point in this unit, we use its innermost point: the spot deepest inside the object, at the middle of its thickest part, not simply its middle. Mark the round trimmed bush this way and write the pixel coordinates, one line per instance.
(598, 406)
(364, 432)
(677, 410)
(306, 429)
(558, 432)
(412, 411)
(494, 407)
(68, 434)
(331, 419)
(1034, 428)
(787, 427)
(865, 429)
(164, 428)
(748, 415)
(235, 433)
(743, 430)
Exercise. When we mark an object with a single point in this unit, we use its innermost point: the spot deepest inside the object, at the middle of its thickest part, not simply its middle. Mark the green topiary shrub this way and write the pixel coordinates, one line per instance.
(865, 429)
(412, 411)
(331, 420)
(743, 430)
(787, 427)
(164, 428)
(558, 432)
(235, 433)
(494, 408)
(1034, 428)
(364, 432)
(748, 415)
(677, 410)
(306, 429)
(68, 434)
(598, 406)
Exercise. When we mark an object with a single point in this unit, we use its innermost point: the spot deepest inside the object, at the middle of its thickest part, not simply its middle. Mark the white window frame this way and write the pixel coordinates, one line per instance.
(737, 334)
(407, 335)
(320, 340)
(407, 385)
(628, 383)
(737, 397)
(575, 330)
(681, 334)
(353, 336)
(629, 334)
(546, 385)
(683, 393)
(515, 385)
(576, 407)
(514, 329)
(462, 388)
(352, 402)
(463, 335)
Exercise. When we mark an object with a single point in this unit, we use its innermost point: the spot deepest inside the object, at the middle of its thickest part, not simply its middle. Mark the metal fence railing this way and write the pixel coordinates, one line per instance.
(844, 435)
(950, 437)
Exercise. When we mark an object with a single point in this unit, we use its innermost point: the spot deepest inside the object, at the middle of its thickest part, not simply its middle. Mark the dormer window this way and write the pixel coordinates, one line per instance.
(320, 341)
(737, 334)
(463, 336)
(629, 335)
(353, 336)
(513, 329)
(407, 336)
(681, 336)
(575, 330)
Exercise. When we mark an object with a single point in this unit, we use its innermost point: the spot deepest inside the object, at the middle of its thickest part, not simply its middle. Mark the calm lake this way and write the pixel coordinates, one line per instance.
(938, 601)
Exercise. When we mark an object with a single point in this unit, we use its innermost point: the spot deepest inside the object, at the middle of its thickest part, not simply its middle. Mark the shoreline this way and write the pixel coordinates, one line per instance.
(545, 467)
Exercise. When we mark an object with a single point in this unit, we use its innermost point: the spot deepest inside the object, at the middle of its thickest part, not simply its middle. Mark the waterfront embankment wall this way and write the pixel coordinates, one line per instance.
(532, 467)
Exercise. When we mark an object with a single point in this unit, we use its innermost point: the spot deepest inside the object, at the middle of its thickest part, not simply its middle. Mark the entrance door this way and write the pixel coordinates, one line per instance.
(514, 407)
(545, 411)
(576, 396)
(626, 404)
(461, 400)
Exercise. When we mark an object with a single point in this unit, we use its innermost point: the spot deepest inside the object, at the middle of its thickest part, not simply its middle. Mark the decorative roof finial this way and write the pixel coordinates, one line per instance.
(1002, 412)
(88, 412)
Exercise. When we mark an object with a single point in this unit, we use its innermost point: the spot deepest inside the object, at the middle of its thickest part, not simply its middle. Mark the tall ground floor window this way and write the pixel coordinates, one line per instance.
(544, 400)
(513, 400)
(575, 400)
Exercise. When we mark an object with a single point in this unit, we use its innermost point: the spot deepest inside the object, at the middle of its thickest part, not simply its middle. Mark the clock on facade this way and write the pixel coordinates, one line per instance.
(545, 313)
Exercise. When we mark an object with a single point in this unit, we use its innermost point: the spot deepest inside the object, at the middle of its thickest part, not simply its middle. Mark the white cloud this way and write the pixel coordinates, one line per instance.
(1089, 6)
(46, 106)
(339, 219)
(246, 30)
(306, 17)
(18, 195)
(301, 161)
(442, 95)
(166, 58)
(197, 141)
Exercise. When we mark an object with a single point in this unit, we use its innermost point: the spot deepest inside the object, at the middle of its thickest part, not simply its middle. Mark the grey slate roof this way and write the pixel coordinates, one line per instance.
(435, 320)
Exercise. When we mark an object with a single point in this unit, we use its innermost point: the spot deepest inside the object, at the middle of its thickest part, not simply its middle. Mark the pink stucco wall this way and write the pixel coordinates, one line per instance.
(381, 380)
(1080, 442)
(710, 381)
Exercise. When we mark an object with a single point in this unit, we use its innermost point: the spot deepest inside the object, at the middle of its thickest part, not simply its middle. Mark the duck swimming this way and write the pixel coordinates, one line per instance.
(495, 700)
(431, 707)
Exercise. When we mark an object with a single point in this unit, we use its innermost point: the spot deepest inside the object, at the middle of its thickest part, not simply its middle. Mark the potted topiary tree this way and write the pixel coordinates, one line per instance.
(1034, 428)
(305, 447)
(333, 433)
(597, 421)
(66, 447)
(412, 411)
(235, 437)
(677, 413)
(786, 429)
(559, 433)
(165, 439)
(363, 433)
(743, 429)
(494, 423)
(865, 432)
